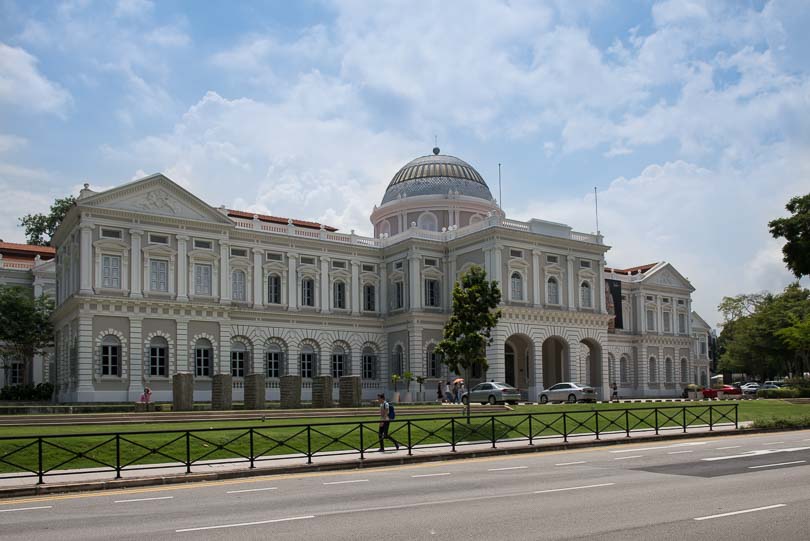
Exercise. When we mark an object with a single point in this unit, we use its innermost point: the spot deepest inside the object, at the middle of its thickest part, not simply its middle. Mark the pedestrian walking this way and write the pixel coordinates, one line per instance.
(439, 393)
(385, 421)
(455, 393)
(615, 395)
(448, 397)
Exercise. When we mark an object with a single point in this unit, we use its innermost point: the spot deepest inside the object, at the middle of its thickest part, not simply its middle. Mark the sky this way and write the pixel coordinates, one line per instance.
(690, 118)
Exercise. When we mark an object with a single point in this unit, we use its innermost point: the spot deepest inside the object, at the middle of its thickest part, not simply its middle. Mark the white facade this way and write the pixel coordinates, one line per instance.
(153, 281)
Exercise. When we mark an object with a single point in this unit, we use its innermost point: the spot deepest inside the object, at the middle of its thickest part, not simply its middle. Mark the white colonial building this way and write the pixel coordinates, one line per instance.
(153, 281)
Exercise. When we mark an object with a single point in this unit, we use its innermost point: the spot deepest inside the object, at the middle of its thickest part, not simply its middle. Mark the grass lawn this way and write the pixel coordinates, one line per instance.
(209, 440)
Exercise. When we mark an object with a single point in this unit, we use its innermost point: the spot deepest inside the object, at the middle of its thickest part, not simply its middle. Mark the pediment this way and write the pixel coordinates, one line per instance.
(156, 195)
(669, 277)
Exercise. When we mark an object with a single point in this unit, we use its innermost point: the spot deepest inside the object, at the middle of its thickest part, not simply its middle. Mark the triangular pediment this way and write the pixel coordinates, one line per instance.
(156, 195)
(666, 275)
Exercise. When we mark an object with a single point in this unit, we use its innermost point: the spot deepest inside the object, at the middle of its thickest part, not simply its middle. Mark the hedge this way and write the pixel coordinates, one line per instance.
(28, 392)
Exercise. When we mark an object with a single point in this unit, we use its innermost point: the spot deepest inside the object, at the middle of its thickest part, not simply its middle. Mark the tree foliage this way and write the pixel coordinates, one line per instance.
(468, 331)
(25, 323)
(796, 232)
(39, 228)
(767, 338)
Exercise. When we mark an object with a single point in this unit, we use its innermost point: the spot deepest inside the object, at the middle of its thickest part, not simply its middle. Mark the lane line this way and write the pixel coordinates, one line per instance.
(741, 512)
(573, 488)
(772, 443)
(679, 452)
(250, 490)
(236, 525)
(26, 508)
(729, 447)
(749, 454)
(429, 475)
(144, 499)
(777, 464)
(660, 447)
(571, 463)
(347, 482)
(509, 468)
(628, 457)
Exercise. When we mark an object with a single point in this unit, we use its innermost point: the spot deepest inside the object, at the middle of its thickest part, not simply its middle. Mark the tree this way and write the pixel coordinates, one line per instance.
(25, 324)
(796, 232)
(39, 228)
(468, 331)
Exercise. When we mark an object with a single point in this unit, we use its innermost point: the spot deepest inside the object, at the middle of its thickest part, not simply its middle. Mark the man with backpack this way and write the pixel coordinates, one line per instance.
(387, 414)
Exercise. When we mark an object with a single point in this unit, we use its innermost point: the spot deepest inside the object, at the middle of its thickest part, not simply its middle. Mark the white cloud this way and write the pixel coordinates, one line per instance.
(133, 8)
(173, 35)
(22, 84)
(11, 142)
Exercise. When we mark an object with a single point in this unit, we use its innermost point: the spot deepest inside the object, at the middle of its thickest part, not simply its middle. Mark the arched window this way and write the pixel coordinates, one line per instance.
(369, 363)
(307, 292)
(427, 221)
(338, 362)
(308, 361)
(668, 370)
(274, 289)
(385, 228)
(517, 286)
(110, 356)
(397, 360)
(239, 355)
(623, 372)
(653, 370)
(369, 298)
(553, 291)
(434, 362)
(475, 218)
(238, 291)
(158, 357)
(203, 357)
(339, 295)
(585, 295)
(684, 371)
(275, 361)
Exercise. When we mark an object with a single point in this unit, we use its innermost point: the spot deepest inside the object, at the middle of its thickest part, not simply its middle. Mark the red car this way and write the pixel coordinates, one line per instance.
(727, 390)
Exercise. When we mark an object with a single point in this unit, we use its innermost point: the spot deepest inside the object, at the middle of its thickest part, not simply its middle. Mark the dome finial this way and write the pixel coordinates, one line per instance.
(436, 151)
(436, 144)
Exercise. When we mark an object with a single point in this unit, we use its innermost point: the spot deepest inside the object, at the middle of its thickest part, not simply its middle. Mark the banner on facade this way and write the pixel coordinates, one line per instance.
(614, 303)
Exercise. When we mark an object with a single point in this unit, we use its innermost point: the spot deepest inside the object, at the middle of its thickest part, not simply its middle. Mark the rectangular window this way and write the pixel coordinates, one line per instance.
(111, 233)
(307, 364)
(274, 257)
(585, 264)
(399, 297)
(338, 360)
(158, 275)
(369, 366)
(682, 323)
(369, 268)
(110, 360)
(680, 302)
(650, 320)
(667, 322)
(339, 295)
(274, 289)
(202, 279)
(307, 260)
(274, 364)
(111, 271)
(16, 374)
(239, 252)
(431, 262)
(369, 298)
(158, 239)
(202, 362)
(338, 264)
(432, 297)
(552, 259)
(702, 347)
(200, 244)
(238, 286)
(398, 265)
(157, 361)
(649, 298)
(308, 292)
(516, 253)
(238, 364)
(666, 300)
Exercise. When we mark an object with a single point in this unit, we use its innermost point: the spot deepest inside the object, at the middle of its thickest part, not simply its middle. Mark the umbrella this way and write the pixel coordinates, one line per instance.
(458, 380)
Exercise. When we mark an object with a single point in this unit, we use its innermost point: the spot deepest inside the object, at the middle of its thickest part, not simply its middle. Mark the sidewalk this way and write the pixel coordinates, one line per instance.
(173, 473)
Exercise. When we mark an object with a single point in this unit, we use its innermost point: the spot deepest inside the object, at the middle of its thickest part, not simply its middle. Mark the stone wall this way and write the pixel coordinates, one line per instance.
(322, 392)
(254, 392)
(182, 392)
(221, 392)
(351, 391)
(290, 388)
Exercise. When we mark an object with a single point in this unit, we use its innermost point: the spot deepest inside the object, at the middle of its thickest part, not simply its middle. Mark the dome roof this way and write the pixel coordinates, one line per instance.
(437, 174)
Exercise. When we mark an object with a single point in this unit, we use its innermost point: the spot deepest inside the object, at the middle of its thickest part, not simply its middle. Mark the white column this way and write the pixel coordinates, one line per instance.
(451, 282)
(536, 258)
(325, 305)
(601, 287)
(570, 283)
(415, 281)
(292, 283)
(182, 268)
(659, 325)
(86, 260)
(355, 288)
(258, 278)
(498, 267)
(224, 273)
(383, 296)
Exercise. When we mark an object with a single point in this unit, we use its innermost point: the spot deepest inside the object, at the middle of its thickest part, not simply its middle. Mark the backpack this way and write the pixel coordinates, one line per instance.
(391, 412)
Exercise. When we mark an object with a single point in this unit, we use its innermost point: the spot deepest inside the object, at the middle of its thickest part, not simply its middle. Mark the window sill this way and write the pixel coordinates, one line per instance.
(159, 378)
(110, 378)
(204, 298)
(158, 294)
(110, 291)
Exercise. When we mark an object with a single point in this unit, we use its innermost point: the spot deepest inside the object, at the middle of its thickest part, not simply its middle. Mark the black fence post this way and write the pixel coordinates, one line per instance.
(362, 445)
(41, 468)
(711, 418)
(188, 451)
(565, 428)
(410, 446)
(453, 433)
(493, 431)
(309, 444)
(118, 456)
(736, 416)
(627, 421)
(531, 434)
(684, 419)
(656, 421)
(252, 456)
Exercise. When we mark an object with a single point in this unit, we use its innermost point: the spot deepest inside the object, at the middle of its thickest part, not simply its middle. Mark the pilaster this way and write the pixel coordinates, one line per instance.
(292, 282)
(570, 283)
(136, 350)
(182, 268)
(325, 307)
(355, 292)
(536, 259)
(224, 274)
(86, 259)
(414, 276)
(258, 278)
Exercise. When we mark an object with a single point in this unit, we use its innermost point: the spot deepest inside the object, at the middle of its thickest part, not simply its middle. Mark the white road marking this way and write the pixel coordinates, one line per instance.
(741, 512)
(749, 454)
(144, 499)
(571, 463)
(679, 452)
(430, 475)
(777, 464)
(628, 457)
(573, 488)
(772, 443)
(347, 482)
(256, 523)
(674, 445)
(250, 490)
(729, 447)
(26, 509)
(510, 468)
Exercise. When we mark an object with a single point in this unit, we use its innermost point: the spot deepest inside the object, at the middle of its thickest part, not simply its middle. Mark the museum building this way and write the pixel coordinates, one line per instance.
(152, 281)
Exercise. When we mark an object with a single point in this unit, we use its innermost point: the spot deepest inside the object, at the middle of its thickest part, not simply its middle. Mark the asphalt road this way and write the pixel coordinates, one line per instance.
(753, 486)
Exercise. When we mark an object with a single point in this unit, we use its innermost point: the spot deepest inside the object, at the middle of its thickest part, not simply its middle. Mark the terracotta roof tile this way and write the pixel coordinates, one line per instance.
(632, 270)
(277, 219)
(27, 250)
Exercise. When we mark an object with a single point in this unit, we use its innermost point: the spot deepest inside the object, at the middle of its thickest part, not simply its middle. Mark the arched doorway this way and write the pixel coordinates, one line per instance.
(555, 361)
(518, 364)
(591, 368)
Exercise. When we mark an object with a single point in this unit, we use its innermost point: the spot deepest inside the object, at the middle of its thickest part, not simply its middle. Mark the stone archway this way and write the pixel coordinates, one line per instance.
(555, 361)
(518, 361)
(590, 372)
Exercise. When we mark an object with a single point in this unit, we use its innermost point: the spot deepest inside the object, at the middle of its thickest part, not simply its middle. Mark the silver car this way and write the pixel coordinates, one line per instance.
(568, 392)
(492, 393)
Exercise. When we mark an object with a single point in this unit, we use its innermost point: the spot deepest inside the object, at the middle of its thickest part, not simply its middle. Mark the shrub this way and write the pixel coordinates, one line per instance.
(784, 392)
(783, 422)
(798, 383)
(27, 392)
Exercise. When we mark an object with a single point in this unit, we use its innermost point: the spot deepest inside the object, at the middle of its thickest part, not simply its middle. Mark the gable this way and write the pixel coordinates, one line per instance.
(156, 195)
(667, 276)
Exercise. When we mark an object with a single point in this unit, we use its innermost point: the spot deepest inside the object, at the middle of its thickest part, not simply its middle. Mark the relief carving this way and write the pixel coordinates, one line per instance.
(158, 200)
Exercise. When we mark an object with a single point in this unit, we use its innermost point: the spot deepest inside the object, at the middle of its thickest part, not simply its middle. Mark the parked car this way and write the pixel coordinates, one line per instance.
(727, 390)
(777, 384)
(568, 392)
(750, 388)
(493, 393)
(768, 385)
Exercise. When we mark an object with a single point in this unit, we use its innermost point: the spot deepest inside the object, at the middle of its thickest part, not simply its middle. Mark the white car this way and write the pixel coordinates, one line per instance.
(750, 388)
(568, 392)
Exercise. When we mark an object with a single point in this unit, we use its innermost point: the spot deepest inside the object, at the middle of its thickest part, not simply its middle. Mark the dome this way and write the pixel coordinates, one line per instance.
(437, 174)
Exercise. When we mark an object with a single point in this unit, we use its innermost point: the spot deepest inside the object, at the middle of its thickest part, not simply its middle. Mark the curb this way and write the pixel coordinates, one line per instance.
(39, 490)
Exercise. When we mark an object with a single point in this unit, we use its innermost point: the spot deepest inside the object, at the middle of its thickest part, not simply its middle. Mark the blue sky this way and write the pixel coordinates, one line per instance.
(690, 117)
